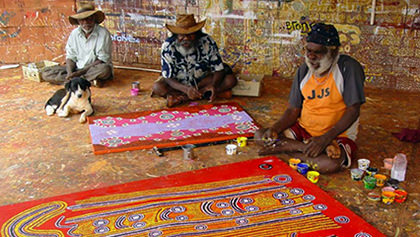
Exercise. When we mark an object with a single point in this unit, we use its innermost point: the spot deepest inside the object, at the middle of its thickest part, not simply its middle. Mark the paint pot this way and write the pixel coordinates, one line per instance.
(303, 168)
(380, 179)
(135, 85)
(363, 164)
(388, 189)
(374, 196)
(388, 197)
(370, 171)
(231, 149)
(356, 174)
(134, 91)
(313, 176)
(388, 163)
(293, 162)
(369, 182)
(188, 151)
(392, 183)
(241, 141)
(400, 195)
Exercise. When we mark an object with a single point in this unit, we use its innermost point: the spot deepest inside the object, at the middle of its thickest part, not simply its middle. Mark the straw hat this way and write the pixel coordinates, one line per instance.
(86, 11)
(185, 24)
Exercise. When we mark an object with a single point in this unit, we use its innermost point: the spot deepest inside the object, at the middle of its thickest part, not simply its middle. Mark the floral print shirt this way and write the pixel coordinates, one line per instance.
(193, 67)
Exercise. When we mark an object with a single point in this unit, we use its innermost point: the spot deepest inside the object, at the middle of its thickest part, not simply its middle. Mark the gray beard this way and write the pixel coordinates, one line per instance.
(87, 31)
(185, 51)
(325, 64)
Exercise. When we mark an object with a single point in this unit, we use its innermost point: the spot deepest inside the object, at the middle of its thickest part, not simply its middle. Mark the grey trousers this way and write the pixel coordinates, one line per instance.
(57, 74)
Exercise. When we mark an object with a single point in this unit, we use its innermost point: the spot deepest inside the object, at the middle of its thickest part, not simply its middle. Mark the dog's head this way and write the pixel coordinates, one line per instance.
(78, 86)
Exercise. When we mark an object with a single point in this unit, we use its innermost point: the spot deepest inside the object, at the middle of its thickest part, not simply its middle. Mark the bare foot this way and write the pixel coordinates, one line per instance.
(333, 150)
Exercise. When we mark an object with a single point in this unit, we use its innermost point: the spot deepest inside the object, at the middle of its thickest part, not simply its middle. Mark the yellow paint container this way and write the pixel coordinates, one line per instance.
(241, 141)
(313, 176)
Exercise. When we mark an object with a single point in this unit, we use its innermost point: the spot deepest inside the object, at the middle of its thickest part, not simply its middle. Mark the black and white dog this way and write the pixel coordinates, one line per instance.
(74, 98)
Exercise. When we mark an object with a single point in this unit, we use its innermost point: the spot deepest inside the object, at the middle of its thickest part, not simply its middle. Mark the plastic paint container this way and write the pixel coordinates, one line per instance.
(363, 163)
(303, 168)
(369, 182)
(135, 85)
(241, 141)
(370, 171)
(380, 179)
(188, 151)
(134, 91)
(388, 163)
(356, 174)
(313, 176)
(231, 149)
(374, 196)
(293, 162)
(400, 195)
(388, 197)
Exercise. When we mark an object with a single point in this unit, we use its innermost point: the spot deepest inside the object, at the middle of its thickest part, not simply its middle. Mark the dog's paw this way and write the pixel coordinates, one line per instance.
(62, 113)
(82, 119)
(50, 110)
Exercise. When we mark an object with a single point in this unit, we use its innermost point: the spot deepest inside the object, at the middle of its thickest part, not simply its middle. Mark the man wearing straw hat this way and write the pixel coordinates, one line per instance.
(321, 121)
(88, 50)
(192, 68)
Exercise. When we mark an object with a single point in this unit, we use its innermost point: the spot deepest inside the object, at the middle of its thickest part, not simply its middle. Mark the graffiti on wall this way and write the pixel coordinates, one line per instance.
(6, 33)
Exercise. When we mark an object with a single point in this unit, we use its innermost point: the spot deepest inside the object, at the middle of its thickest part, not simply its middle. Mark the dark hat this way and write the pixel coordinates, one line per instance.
(86, 11)
(323, 34)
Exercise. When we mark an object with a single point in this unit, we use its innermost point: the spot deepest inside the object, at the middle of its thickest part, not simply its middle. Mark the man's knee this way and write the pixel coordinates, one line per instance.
(104, 71)
(325, 164)
(230, 81)
(159, 88)
(54, 74)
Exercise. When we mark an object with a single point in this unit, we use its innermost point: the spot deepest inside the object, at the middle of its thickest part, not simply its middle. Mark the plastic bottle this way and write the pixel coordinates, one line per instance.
(399, 167)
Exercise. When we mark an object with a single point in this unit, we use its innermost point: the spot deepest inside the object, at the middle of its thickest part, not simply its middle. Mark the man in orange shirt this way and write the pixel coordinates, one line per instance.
(320, 124)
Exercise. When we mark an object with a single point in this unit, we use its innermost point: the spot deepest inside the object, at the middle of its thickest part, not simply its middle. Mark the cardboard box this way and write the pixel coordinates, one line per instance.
(32, 71)
(248, 85)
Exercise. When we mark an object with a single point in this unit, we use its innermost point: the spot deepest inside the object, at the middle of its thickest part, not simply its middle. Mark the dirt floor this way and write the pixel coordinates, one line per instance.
(44, 156)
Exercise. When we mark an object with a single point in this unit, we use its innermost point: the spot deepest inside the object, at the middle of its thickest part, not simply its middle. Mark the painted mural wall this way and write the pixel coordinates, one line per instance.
(33, 30)
(255, 36)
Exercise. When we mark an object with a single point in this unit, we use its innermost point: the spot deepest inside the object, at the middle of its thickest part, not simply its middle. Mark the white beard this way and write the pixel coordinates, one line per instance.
(324, 64)
(87, 31)
(184, 51)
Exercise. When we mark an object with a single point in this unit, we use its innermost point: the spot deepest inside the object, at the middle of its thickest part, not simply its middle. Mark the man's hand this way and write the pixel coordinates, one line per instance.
(316, 145)
(269, 137)
(73, 74)
(193, 94)
(211, 90)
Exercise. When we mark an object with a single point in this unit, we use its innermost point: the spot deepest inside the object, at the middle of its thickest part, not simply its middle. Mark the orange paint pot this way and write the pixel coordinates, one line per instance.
(380, 179)
(293, 162)
(388, 197)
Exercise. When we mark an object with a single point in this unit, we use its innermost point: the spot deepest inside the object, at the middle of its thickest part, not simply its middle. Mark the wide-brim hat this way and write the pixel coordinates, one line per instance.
(185, 24)
(86, 11)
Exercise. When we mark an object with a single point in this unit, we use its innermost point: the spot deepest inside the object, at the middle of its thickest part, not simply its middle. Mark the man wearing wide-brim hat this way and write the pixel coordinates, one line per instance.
(192, 68)
(321, 121)
(88, 50)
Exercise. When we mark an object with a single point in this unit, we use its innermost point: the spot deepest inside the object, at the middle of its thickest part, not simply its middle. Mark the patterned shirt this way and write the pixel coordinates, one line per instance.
(193, 67)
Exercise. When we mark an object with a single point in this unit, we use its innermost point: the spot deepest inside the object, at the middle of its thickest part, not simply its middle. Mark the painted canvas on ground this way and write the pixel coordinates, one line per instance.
(260, 197)
(170, 127)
